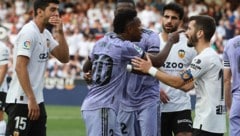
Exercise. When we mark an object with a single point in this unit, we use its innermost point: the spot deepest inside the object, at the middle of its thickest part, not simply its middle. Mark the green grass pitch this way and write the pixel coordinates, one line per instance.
(66, 121)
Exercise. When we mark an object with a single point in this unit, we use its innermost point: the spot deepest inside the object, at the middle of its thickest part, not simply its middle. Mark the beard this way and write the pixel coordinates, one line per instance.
(192, 41)
(174, 28)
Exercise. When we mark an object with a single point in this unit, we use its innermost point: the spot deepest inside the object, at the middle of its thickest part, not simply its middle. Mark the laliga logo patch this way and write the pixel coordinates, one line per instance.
(181, 54)
(27, 44)
(139, 50)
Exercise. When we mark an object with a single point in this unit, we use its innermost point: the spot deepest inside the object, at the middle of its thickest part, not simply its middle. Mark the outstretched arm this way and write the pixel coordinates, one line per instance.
(174, 81)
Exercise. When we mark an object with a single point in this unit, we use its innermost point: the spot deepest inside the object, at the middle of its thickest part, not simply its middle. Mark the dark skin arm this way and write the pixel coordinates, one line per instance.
(159, 59)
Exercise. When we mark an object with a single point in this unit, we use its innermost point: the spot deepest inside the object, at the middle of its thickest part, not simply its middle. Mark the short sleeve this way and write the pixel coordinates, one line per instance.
(131, 50)
(225, 56)
(4, 55)
(199, 66)
(25, 43)
(151, 40)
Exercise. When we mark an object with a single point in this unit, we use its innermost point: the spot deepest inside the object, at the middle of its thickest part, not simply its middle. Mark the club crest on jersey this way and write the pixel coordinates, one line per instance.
(27, 44)
(181, 54)
(139, 50)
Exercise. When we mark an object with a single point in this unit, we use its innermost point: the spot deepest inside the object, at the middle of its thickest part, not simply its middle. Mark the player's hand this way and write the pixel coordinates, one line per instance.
(33, 109)
(141, 64)
(88, 77)
(164, 97)
(56, 21)
(174, 37)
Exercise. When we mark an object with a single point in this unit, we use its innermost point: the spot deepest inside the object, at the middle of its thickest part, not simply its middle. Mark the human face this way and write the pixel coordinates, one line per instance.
(191, 34)
(135, 30)
(50, 12)
(170, 21)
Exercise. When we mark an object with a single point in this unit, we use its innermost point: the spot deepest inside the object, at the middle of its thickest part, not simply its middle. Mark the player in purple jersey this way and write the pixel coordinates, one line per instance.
(107, 63)
(101, 104)
(139, 112)
(231, 57)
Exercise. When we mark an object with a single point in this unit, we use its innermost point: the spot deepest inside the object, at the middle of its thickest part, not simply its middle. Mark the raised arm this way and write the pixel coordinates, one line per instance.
(61, 52)
(159, 59)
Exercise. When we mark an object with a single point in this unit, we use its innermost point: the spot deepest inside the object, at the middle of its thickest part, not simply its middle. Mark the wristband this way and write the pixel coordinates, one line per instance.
(152, 71)
(129, 67)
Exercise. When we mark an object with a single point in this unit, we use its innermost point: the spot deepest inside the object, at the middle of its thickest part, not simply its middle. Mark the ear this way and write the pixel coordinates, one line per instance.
(200, 33)
(39, 11)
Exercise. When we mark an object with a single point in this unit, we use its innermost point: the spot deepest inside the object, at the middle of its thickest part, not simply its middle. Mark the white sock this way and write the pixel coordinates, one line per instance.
(2, 128)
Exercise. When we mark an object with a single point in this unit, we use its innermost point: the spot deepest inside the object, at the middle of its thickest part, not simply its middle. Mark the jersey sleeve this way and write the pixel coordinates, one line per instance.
(198, 67)
(152, 41)
(225, 56)
(4, 56)
(131, 50)
(25, 43)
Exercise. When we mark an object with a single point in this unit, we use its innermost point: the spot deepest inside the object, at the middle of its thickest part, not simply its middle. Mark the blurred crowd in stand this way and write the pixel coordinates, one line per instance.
(85, 21)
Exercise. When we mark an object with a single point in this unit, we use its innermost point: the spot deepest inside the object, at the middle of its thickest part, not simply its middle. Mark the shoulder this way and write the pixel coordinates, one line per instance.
(148, 31)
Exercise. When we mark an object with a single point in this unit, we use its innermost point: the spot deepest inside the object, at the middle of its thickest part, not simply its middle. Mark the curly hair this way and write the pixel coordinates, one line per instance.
(122, 18)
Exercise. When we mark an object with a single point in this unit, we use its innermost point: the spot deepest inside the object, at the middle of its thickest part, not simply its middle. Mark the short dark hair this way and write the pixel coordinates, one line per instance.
(42, 4)
(175, 7)
(205, 23)
(127, 1)
(122, 18)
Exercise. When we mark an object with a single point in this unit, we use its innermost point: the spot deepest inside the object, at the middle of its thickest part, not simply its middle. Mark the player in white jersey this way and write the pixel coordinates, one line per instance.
(4, 59)
(206, 72)
(33, 45)
(175, 104)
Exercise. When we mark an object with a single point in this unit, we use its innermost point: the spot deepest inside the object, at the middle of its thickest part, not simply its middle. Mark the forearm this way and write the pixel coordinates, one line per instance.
(187, 87)
(227, 87)
(228, 94)
(159, 59)
(24, 81)
(87, 66)
(62, 48)
(170, 80)
(3, 72)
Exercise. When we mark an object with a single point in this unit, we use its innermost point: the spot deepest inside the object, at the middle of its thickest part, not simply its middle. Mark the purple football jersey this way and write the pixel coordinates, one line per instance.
(142, 90)
(109, 58)
(231, 57)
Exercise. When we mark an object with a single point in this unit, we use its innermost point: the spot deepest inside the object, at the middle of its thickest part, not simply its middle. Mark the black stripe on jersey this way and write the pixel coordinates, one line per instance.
(226, 64)
(104, 122)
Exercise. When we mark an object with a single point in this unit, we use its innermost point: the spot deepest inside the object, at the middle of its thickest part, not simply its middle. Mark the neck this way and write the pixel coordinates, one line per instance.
(123, 36)
(201, 45)
(164, 36)
(39, 24)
